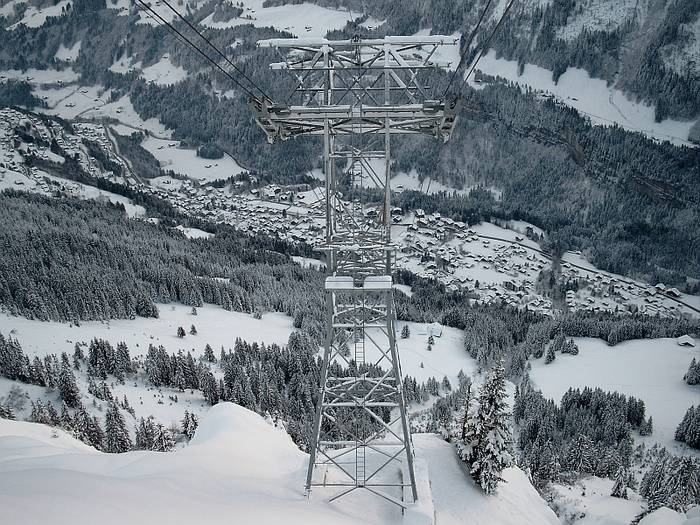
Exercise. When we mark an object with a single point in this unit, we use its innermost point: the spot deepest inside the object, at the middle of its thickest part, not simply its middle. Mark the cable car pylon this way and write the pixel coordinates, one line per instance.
(356, 94)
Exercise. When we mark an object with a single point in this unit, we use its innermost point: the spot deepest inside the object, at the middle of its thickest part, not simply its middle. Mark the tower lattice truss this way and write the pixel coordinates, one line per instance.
(356, 94)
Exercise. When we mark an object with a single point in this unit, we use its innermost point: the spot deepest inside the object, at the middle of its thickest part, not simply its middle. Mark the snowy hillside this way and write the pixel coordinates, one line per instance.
(603, 104)
(651, 370)
(238, 466)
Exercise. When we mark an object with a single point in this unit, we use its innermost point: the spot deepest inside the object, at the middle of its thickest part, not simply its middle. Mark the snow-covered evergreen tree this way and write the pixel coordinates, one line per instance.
(67, 387)
(487, 444)
(405, 332)
(163, 440)
(6, 412)
(145, 434)
(619, 489)
(189, 424)
(209, 354)
(551, 356)
(117, 437)
(692, 376)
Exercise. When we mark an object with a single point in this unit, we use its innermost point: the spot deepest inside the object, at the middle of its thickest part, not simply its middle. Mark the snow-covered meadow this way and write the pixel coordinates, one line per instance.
(592, 97)
(302, 19)
(649, 369)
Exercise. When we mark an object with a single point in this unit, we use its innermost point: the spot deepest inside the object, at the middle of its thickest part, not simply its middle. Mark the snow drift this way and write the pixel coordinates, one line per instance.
(237, 469)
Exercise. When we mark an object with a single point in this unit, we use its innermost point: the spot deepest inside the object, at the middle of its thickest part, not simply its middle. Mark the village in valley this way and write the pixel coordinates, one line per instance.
(501, 264)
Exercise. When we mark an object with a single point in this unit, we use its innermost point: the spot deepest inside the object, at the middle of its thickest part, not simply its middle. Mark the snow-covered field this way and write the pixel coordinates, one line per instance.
(68, 54)
(164, 72)
(194, 233)
(604, 105)
(410, 181)
(446, 358)
(186, 162)
(215, 326)
(649, 369)
(40, 76)
(303, 20)
(35, 17)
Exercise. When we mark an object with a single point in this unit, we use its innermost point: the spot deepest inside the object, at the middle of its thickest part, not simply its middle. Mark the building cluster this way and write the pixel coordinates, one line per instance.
(491, 269)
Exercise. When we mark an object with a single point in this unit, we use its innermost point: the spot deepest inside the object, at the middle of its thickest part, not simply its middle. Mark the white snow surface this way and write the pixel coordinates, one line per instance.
(8, 10)
(36, 17)
(68, 54)
(302, 20)
(186, 162)
(238, 466)
(458, 500)
(194, 233)
(649, 369)
(40, 76)
(410, 181)
(164, 73)
(215, 326)
(604, 105)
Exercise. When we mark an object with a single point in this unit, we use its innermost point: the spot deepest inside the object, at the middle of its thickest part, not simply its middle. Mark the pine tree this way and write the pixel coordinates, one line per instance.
(692, 376)
(163, 440)
(683, 483)
(486, 447)
(646, 428)
(53, 417)
(145, 434)
(619, 489)
(653, 486)
(551, 356)
(405, 332)
(66, 418)
(189, 424)
(193, 330)
(685, 425)
(6, 412)
(209, 354)
(117, 437)
(67, 387)
(209, 388)
(180, 332)
(446, 385)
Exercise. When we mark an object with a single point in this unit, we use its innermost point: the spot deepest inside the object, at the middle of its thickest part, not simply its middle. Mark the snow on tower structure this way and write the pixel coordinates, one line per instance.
(356, 94)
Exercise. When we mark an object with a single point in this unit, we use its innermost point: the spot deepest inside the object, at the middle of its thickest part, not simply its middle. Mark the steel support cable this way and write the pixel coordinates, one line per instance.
(467, 47)
(196, 48)
(485, 47)
(216, 49)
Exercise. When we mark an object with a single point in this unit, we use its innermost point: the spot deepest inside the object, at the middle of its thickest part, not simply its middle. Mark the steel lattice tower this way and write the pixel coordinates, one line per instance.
(356, 94)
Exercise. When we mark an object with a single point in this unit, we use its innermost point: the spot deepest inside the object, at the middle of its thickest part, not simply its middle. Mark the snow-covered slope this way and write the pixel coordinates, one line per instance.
(650, 369)
(458, 500)
(237, 469)
(592, 97)
(304, 19)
